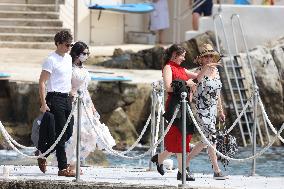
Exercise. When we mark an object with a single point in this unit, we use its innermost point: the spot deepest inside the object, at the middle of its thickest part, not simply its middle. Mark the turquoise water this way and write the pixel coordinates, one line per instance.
(269, 164)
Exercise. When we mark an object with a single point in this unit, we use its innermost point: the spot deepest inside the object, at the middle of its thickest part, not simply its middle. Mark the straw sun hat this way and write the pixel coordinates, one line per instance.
(207, 49)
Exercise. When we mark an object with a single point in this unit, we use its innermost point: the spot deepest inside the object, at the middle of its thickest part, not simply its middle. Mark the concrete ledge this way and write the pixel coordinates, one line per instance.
(126, 178)
(35, 184)
(260, 24)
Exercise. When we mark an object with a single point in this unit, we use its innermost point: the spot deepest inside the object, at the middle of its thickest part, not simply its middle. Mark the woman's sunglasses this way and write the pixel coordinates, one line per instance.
(85, 53)
(208, 56)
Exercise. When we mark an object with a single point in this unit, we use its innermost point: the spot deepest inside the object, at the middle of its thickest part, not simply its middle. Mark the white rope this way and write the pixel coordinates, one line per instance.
(13, 141)
(227, 157)
(267, 119)
(240, 115)
(5, 133)
(121, 154)
(105, 143)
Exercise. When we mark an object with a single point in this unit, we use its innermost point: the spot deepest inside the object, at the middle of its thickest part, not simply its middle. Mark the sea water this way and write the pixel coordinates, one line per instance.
(270, 164)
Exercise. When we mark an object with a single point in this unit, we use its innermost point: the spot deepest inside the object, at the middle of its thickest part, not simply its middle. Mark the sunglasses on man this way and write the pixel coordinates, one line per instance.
(69, 45)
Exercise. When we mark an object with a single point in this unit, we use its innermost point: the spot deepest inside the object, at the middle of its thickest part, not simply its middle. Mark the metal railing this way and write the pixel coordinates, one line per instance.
(215, 17)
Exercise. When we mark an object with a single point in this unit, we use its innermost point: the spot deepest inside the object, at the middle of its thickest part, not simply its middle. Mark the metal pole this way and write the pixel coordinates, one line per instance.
(254, 132)
(153, 109)
(162, 117)
(175, 22)
(183, 116)
(75, 20)
(178, 22)
(78, 138)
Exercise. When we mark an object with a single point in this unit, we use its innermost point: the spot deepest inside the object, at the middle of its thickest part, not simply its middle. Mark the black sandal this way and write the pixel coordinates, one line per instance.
(160, 168)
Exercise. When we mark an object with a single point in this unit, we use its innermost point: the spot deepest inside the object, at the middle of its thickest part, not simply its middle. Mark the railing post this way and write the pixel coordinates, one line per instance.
(254, 130)
(183, 116)
(78, 137)
(75, 20)
(162, 117)
(152, 139)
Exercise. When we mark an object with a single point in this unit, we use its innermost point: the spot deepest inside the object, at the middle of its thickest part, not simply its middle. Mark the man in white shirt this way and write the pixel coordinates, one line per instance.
(55, 78)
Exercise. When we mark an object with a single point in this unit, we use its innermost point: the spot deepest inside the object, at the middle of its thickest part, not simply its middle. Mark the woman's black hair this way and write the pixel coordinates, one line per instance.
(77, 49)
(178, 49)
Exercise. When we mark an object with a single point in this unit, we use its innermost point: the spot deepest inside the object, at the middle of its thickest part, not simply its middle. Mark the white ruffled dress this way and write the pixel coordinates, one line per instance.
(93, 135)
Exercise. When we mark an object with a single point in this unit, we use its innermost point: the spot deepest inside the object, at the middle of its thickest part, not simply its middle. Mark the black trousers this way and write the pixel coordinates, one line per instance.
(60, 105)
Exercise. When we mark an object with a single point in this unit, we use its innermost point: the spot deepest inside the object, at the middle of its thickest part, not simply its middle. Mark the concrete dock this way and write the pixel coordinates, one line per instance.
(125, 178)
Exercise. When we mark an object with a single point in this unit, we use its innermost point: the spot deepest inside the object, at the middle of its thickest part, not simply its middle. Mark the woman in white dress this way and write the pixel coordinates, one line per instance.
(93, 135)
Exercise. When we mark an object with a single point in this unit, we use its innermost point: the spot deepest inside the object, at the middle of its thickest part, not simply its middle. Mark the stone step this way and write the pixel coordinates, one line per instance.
(32, 1)
(30, 29)
(24, 37)
(30, 22)
(30, 14)
(27, 45)
(27, 7)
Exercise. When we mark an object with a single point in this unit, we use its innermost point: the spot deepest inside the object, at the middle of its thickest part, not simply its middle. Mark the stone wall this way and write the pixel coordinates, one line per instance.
(268, 64)
(124, 107)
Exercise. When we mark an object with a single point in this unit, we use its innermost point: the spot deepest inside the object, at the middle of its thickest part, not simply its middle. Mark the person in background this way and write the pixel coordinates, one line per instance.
(200, 8)
(208, 102)
(159, 19)
(172, 70)
(56, 73)
(268, 2)
(94, 134)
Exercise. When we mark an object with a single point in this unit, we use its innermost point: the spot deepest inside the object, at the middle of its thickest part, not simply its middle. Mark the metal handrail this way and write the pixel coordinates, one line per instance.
(237, 17)
(237, 51)
(215, 17)
(255, 87)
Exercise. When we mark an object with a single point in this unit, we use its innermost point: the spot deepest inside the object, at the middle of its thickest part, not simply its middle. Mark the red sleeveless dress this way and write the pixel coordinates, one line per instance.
(173, 139)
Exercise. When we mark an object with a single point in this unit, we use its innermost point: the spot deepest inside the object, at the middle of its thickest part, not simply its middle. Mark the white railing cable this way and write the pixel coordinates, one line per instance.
(240, 115)
(120, 154)
(227, 157)
(268, 121)
(5, 134)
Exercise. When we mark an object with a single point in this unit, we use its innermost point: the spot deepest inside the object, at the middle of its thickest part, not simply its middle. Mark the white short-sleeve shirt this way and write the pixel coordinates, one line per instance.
(60, 69)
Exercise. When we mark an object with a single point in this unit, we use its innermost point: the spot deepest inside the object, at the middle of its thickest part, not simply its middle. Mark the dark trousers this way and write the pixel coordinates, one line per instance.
(60, 105)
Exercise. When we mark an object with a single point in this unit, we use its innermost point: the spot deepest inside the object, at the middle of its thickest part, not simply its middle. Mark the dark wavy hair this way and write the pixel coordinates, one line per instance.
(63, 36)
(178, 49)
(77, 49)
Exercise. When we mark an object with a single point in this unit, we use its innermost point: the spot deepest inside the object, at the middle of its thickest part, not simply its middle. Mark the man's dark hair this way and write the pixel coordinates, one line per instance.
(62, 36)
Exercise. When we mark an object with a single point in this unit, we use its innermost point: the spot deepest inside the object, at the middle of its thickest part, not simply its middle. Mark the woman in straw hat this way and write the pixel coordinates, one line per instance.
(208, 102)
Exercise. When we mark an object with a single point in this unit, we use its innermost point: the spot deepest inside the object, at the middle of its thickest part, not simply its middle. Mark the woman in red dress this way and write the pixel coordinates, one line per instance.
(172, 70)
